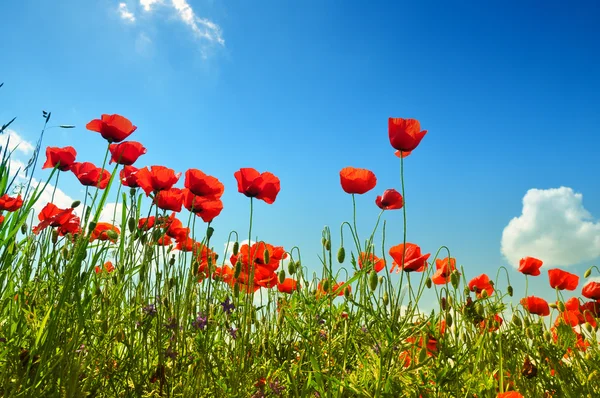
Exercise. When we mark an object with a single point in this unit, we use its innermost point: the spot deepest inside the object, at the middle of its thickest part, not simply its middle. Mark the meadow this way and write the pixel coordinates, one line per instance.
(146, 307)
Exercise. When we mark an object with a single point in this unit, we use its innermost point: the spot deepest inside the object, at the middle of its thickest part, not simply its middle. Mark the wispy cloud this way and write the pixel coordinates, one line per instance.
(15, 141)
(554, 227)
(202, 27)
(125, 14)
(147, 4)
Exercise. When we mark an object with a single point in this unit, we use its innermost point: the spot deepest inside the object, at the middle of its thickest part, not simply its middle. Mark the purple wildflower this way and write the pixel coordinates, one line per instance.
(149, 310)
(233, 332)
(200, 322)
(228, 306)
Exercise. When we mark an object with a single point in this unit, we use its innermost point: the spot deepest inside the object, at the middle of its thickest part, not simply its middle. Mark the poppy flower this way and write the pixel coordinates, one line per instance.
(405, 134)
(63, 157)
(101, 232)
(90, 175)
(169, 199)
(8, 203)
(1, 219)
(390, 200)
(530, 266)
(536, 305)
(593, 307)
(174, 227)
(52, 216)
(402, 154)
(201, 184)
(357, 181)
(413, 259)
(492, 324)
(157, 178)
(205, 207)
(481, 283)
(164, 240)
(336, 289)
(444, 268)
(145, 223)
(107, 267)
(377, 263)
(187, 244)
(562, 280)
(591, 290)
(289, 285)
(126, 153)
(128, 176)
(509, 394)
(264, 186)
(113, 128)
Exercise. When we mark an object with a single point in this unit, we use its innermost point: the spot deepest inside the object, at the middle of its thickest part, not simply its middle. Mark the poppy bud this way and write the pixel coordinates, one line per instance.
(236, 248)
(561, 306)
(373, 281)
(449, 320)
(517, 321)
(548, 336)
(552, 305)
(54, 236)
(236, 290)
(328, 245)
(529, 333)
(454, 279)
(443, 303)
(238, 269)
(131, 224)
(386, 299)
(587, 273)
(209, 232)
(450, 301)
(24, 228)
(526, 322)
(112, 235)
(92, 226)
(325, 285)
(510, 291)
(341, 255)
(484, 294)
(266, 256)
(282, 276)
(172, 260)
(479, 309)
(428, 283)
(75, 204)
(323, 241)
(347, 293)
(589, 327)
(466, 291)
(292, 267)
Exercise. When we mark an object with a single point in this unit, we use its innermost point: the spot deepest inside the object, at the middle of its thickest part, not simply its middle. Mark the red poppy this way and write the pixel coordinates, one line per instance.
(402, 154)
(8, 203)
(491, 324)
(174, 227)
(264, 186)
(206, 207)
(64, 158)
(405, 134)
(444, 268)
(52, 216)
(201, 184)
(357, 181)
(157, 178)
(128, 176)
(145, 223)
(100, 232)
(289, 285)
(413, 259)
(336, 289)
(169, 199)
(371, 260)
(530, 266)
(164, 240)
(107, 267)
(126, 153)
(591, 290)
(113, 128)
(509, 394)
(536, 305)
(1, 219)
(390, 200)
(592, 307)
(481, 283)
(562, 280)
(90, 175)
(187, 244)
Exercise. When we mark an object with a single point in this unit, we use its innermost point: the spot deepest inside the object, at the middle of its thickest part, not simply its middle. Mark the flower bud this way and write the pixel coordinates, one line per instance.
(54, 236)
(24, 228)
(479, 309)
(547, 336)
(325, 285)
(423, 354)
(347, 293)
(529, 333)
(328, 245)
(589, 327)
(450, 301)
(553, 305)
(209, 232)
(236, 248)
(561, 306)
(510, 291)
(281, 276)
(449, 320)
(587, 273)
(517, 321)
(386, 299)
(341, 255)
(526, 322)
(172, 260)
(454, 280)
(236, 290)
(238, 268)
(92, 226)
(373, 281)
(428, 283)
(292, 267)
(131, 224)
(132, 191)
(75, 204)
(112, 235)
(266, 256)
(443, 303)
(484, 294)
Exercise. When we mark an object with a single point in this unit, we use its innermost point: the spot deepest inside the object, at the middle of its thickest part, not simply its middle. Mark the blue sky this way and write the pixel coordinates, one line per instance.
(509, 92)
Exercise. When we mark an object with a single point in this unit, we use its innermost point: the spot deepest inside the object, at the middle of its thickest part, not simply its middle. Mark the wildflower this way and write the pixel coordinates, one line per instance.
(444, 268)
(204, 185)
(52, 216)
(172, 324)
(402, 154)
(126, 153)
(169, 199)
(233, 332)
(145, 223)
(8, 203)
(411, 254)
(536, 305)
(289, 285)
(562, 280)
(591, 290)
(128, 176)
(357, 181)
(530, 266)
(149, 310)
(103, 231)
(205, 207)
(113, 128)
(108, 267)
(64, 158)
(509, 394)
(90, 175)
(481, 283)
(228, 306)
(405, 134)
(200, 322)
(157, 178)
(390, 200)
(264, 186)
(377, 263)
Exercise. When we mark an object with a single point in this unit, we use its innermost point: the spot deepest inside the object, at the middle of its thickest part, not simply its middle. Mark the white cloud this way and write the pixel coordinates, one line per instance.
(125, 13)
(202, 27)
(16, 141)
(147, 4)
(554, 227)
